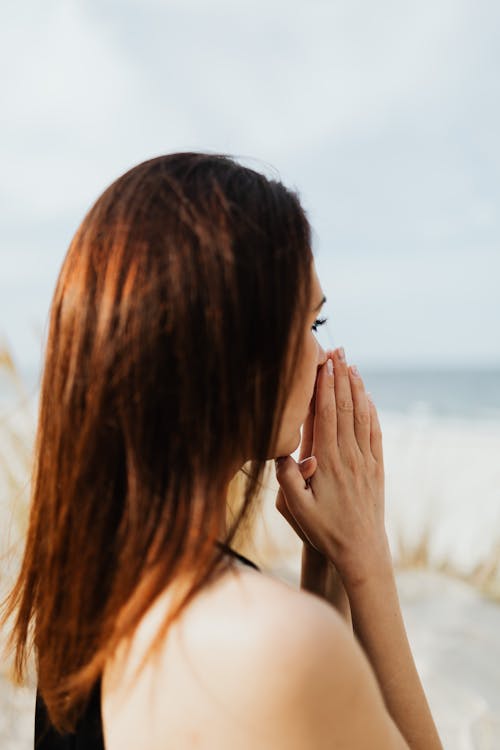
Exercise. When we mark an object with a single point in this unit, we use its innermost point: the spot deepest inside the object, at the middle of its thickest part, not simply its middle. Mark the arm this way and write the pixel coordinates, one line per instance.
(320, 576)
(341, 512)
(330, 697)
(380, 630)
(372, 610)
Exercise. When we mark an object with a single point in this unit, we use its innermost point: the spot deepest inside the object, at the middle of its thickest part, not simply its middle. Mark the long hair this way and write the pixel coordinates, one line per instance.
(173, 330)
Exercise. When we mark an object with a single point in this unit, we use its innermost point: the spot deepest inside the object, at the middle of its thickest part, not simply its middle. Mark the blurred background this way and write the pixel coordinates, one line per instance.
(385, 118)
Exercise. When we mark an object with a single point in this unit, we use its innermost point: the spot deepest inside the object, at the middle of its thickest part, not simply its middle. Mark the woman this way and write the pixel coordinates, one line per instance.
(182, 349)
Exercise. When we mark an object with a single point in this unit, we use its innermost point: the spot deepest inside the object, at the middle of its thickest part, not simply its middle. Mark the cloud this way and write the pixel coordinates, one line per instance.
(383, 116)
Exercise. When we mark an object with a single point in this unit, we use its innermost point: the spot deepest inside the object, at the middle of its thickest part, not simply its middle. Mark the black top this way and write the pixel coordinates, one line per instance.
(88, 734)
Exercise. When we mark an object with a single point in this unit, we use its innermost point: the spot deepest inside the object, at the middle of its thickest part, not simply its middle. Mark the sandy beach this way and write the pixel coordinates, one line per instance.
(443, 524)
(453, 632)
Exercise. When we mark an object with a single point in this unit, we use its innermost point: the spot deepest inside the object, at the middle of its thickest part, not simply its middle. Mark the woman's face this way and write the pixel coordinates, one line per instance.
(313, 356)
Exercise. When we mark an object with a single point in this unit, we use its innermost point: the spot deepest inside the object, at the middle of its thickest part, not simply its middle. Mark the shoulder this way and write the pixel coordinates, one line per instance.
(264, 663)
(322, 690)
(309, 681)
(243, 623)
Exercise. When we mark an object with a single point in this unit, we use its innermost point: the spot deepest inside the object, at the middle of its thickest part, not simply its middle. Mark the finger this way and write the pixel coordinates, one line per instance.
(307, 436)
(361, 411)
(299, 499)
(308, 426)
(375, 433)
(346, 437)
(325, 420)
(308, 466)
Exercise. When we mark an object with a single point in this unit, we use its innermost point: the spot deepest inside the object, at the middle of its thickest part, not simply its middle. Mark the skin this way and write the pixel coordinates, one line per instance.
(254, 662)
(340, 517)
(300, 401)
(306, 370)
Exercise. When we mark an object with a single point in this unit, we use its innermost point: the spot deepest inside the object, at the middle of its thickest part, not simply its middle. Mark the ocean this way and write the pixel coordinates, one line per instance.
(456, 393)
(441, 444)
(468, 394)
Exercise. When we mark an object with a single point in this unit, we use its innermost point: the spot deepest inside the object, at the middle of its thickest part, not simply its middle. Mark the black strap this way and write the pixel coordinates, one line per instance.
(233, 552)
(88, 735)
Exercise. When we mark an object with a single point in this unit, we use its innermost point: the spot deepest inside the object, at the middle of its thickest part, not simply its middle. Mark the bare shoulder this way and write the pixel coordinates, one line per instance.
(315, 685)
(330, 697)
(256, 663)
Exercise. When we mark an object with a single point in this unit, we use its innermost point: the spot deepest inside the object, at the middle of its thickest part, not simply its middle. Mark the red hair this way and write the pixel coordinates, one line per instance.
(167, 362)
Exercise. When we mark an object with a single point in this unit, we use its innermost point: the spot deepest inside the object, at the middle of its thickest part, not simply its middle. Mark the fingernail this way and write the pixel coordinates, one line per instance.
(329, 366)
(305, 460)
(341, 354)
(369, 396)
(355, 371)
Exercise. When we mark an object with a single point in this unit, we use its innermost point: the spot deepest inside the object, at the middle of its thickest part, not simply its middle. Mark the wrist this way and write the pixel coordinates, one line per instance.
(374, 571)
(358, 570)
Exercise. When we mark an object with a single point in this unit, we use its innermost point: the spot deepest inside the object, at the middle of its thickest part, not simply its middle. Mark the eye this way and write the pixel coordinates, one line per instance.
(318, 322)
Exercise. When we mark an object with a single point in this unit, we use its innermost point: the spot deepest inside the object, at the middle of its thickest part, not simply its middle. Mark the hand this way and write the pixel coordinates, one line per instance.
(306, 469)
(341, 513)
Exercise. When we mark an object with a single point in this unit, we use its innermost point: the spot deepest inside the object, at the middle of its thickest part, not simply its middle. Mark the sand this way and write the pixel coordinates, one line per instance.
(442, 510)
(454, 635)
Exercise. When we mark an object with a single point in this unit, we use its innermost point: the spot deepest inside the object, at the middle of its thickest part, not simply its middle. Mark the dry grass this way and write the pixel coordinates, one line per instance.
(17, 428)
(484, 577)
(265, 537)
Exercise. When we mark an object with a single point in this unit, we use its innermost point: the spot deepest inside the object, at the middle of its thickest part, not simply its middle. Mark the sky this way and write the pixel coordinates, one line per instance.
(383, 116)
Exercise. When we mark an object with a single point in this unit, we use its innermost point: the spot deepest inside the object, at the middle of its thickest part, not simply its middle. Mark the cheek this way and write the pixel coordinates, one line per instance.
(313, 349)
(307, 368)
(314, 362)
(310, 366)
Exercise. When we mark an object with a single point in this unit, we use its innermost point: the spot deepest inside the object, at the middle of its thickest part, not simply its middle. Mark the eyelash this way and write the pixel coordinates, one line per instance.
(318, 322)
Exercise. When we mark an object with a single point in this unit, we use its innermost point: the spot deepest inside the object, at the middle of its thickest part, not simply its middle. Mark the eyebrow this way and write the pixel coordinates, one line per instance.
(320, 304)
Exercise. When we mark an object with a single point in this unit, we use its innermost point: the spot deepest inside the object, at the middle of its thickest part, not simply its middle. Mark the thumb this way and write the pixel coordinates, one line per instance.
(308, 466)
(290, 476)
